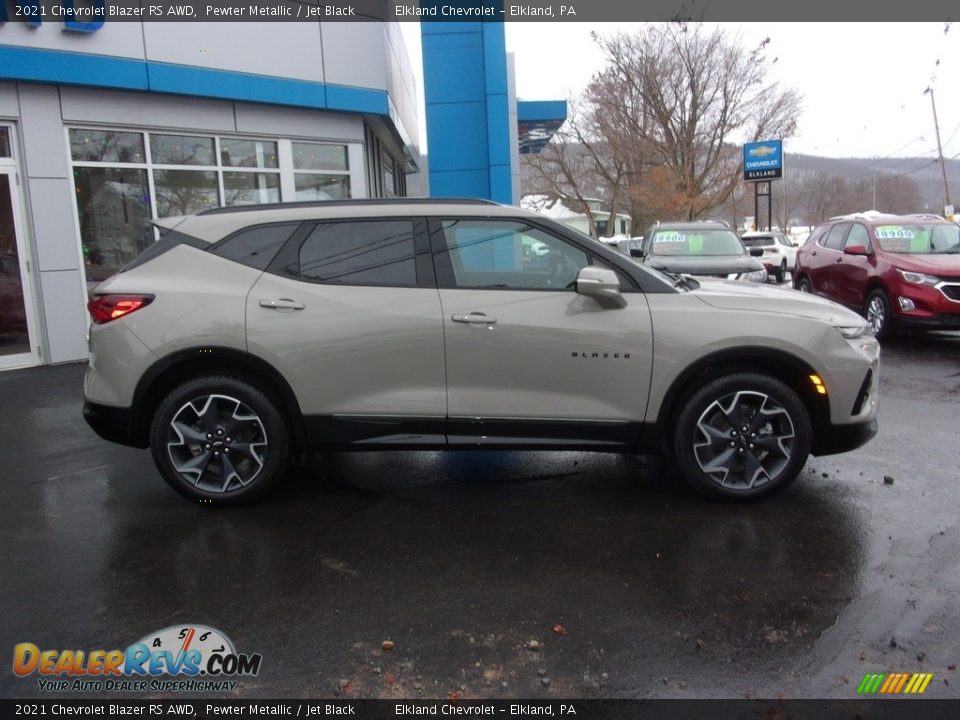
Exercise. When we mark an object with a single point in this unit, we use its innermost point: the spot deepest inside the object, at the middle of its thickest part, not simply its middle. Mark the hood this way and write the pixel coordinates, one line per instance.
(731, 295)
(705, 264)
(943, 264)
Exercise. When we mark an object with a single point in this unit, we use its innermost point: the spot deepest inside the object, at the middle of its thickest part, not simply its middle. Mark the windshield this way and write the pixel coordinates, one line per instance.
(696, 242)
(918, 238)
(757, 241)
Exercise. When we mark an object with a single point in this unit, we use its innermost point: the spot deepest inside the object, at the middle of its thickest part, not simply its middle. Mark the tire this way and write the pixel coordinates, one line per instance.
(215, 415)
(803, 285)
(756, 466)
(877, 312)
(781, 272)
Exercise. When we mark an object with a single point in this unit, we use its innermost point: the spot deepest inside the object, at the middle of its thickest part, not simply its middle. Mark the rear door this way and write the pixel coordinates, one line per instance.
(825, 277)
(349, 313)
(854, 270)
(529, 361)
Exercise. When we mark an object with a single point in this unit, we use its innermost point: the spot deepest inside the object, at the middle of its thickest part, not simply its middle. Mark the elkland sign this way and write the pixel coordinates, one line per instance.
(763, 160)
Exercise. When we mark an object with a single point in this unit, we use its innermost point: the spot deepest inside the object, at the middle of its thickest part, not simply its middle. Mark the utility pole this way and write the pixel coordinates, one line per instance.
(936, 126)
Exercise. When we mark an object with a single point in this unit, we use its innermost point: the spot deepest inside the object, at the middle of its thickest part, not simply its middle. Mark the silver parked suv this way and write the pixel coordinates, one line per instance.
(247, 335)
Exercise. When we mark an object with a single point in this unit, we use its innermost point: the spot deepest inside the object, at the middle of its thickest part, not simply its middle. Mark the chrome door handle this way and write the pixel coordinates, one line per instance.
(474, 318)
(282, 304)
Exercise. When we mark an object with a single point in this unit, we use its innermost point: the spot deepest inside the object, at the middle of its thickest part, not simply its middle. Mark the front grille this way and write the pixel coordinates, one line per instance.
(951, 291)
(863, 395)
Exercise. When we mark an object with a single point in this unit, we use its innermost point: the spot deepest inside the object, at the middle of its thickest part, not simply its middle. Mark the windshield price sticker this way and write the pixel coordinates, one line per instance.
(888, 232)
(670, 237)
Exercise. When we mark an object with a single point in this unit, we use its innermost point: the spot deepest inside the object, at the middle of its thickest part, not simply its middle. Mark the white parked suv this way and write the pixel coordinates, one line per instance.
(247, 335)
(779, 251)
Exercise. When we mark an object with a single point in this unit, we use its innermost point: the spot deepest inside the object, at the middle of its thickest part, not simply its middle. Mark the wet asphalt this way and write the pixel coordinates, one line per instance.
(631, 585)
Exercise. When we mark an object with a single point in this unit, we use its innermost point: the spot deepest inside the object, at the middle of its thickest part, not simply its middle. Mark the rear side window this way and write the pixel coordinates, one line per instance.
(834, 239)
(368, 252)
(256, 246)
(169, 240)
(817, 235)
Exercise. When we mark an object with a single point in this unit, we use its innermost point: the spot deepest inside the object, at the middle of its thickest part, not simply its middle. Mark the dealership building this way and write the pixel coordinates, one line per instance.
(106, 127)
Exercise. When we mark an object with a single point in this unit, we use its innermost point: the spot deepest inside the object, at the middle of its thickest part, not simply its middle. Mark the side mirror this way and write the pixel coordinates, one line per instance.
(756, 252)
(602, 285)
(855, 250)
(636, 252)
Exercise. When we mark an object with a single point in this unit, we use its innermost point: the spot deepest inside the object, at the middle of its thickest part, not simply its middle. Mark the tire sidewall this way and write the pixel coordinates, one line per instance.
(686, 432)
(263, 405)
(804, 281)
(887, 327)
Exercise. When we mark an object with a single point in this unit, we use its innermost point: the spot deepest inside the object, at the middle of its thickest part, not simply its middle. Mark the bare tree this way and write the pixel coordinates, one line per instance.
(676, 99)
(578, 166)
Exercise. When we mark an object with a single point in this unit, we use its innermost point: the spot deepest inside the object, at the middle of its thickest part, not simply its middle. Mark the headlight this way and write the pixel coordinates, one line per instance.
(757, 276)
(852, 332)
(919, 278)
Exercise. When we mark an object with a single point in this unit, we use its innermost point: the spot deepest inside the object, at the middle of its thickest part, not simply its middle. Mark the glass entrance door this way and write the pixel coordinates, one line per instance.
(16, 306)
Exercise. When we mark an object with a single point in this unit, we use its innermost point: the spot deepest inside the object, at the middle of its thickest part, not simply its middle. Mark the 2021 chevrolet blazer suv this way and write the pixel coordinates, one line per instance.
(245, 336)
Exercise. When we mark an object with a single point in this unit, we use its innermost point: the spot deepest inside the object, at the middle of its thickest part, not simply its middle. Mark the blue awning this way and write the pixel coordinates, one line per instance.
(537, 121)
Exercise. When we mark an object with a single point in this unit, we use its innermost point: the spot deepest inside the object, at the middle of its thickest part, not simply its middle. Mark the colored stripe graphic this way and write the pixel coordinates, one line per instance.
(894, 683)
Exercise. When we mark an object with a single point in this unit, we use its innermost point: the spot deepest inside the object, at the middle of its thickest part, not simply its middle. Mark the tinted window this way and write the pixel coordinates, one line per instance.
(377, 252)
(510, 254)
(757, 241)
(834, 239)
(256, 246)
(858, 236)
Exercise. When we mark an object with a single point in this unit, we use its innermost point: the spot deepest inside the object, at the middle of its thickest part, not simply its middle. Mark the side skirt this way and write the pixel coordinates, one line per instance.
(379, 432)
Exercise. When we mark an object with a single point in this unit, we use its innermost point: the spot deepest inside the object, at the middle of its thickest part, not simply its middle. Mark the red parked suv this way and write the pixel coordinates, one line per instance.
(896, 270)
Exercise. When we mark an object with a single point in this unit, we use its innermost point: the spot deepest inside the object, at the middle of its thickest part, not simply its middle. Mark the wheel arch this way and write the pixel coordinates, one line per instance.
(780, 364)
(183, 365)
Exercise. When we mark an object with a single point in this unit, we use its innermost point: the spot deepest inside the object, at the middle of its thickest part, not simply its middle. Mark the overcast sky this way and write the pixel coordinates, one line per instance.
(862, 83)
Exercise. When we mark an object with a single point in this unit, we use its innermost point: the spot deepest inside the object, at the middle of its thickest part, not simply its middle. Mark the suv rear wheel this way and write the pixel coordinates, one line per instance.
(781, 271)
(219, 439)
(803, 285)
(742, 436)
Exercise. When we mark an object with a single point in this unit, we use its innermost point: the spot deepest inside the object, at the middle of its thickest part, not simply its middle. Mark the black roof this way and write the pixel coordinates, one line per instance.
(349, 203)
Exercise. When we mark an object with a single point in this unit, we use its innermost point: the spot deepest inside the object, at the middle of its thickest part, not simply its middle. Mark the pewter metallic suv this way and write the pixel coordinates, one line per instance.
(245, 336)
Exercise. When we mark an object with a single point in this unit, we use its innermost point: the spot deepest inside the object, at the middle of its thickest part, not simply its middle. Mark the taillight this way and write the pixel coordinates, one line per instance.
(104, 308)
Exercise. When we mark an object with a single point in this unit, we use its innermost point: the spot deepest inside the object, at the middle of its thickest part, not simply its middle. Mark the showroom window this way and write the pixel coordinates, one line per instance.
(124, 179)
(321, 171)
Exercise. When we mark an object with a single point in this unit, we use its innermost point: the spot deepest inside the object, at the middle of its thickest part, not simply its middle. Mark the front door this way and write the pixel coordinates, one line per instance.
(529, 361)
(17, 329)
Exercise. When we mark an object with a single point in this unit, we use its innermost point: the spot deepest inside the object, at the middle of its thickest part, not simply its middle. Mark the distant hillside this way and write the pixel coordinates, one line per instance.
(921, 172)
(924, 171)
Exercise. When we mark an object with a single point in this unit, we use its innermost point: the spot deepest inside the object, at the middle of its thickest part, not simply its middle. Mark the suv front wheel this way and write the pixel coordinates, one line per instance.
(877, 312)
(742, 436)
(219, 439)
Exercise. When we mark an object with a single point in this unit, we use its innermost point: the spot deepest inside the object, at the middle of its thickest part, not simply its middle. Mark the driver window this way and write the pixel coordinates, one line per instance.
(858, 236)
(510, 254)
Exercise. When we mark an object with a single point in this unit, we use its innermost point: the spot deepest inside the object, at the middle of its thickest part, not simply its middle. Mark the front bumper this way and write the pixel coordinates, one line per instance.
(945, 321)
(843, 438)
(112, 423)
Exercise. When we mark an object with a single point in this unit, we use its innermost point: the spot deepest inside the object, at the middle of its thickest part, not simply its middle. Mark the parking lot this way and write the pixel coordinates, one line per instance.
(628, 584)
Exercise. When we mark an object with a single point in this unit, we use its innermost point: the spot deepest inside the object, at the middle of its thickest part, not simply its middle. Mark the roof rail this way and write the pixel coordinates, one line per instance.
(347, 203)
